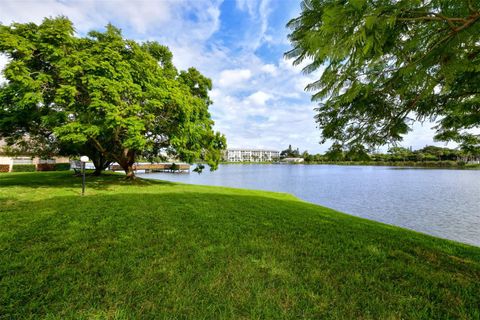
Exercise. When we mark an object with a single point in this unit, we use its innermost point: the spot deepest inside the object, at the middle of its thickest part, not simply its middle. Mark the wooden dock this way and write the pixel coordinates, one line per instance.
(155, 167)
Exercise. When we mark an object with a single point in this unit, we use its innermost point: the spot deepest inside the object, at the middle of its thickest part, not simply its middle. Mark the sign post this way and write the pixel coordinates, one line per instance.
(84, 160)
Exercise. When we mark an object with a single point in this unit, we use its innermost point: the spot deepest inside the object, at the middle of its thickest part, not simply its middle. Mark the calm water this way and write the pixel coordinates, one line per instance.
(444, 203)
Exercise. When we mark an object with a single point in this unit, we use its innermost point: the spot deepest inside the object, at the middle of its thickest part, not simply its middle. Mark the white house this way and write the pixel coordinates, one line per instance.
(251, 155)
(7, 162)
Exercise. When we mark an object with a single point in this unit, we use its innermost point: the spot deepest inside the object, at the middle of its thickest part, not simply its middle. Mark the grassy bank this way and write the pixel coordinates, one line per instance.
(163, 250)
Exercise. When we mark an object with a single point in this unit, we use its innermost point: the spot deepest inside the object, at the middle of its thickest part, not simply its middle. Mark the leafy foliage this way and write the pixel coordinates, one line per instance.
(103, 95)
(390, 63)
(335, 152)
(290, 153)
(23, 168)
(62, 166)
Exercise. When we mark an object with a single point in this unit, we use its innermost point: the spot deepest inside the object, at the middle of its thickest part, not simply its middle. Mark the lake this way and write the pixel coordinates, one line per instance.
(440, 202)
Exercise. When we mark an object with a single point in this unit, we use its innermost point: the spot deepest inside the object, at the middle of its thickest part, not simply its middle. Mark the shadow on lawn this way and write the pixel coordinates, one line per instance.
(69, 179)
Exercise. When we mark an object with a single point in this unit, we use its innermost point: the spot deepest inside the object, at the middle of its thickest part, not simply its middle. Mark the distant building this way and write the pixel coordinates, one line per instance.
(251, 155)
(8, 161)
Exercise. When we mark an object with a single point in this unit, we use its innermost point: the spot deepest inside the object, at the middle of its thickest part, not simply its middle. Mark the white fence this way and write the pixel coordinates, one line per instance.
(22, 160)
(48, 161)
(77, 165)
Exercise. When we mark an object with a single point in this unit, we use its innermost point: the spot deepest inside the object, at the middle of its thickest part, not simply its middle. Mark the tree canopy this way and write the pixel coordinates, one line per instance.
(290, 153)
(104, 95)
(389, 63)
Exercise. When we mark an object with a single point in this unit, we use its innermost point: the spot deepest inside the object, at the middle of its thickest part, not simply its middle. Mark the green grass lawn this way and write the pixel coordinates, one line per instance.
(162, 250)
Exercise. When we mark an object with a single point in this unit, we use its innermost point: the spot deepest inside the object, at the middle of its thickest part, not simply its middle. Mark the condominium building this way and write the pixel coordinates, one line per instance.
(251, 155)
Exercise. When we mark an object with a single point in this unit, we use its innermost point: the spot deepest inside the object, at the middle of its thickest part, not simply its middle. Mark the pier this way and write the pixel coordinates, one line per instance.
(156, 167)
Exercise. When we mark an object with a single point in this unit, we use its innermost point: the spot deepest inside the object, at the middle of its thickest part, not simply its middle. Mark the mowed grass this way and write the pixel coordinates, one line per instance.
(154, 250)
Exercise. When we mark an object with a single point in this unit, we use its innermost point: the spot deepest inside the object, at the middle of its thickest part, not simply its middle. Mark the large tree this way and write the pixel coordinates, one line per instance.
(105, 95)
(389, 63)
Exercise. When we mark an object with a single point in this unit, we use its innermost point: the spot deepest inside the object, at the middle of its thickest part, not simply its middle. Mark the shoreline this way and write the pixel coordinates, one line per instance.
(373, 164)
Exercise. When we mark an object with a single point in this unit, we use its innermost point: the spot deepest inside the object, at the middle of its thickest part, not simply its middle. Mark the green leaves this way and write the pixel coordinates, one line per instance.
(388, 61)
(357, 4)
(370, 22)
(76, 132)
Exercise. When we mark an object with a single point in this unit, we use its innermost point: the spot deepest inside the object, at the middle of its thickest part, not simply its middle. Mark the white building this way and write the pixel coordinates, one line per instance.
(8, 161)
(251, 155)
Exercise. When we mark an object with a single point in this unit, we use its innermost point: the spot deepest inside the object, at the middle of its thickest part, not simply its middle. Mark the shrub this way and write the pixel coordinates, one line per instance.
(62, 166)
(45, 167)
(449, 163)
(4, 167)
(23, 168)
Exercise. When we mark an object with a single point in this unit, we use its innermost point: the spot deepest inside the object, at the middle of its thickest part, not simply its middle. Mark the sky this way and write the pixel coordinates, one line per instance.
(259, 97)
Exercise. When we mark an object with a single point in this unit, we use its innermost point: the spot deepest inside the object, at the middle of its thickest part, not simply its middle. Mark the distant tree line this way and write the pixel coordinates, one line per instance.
(429, 155)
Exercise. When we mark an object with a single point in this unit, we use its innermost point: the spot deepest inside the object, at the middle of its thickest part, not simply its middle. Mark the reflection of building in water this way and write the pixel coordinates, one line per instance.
(250, 155)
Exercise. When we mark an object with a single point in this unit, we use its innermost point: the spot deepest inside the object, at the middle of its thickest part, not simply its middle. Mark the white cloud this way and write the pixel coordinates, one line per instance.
(138, 15)
(234, 77)
(259, 98)
(422, 135)
(264, 11)
(247, 5)
(281, 125)
(259, 11)
(269, 68)
(142, 17)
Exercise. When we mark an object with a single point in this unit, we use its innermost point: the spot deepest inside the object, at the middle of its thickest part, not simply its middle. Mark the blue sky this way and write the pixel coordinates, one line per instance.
(258, 96)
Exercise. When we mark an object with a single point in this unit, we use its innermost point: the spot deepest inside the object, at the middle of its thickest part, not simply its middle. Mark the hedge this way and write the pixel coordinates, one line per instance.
(23, 168)
(45, 167)
(4, 167)
(62, 166)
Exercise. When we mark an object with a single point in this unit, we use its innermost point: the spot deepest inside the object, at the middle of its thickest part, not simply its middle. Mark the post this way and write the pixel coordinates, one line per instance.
(83, 178)
(83, 160)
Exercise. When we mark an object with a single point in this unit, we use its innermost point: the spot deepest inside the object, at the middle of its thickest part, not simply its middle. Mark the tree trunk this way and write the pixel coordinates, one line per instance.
(101, 167)
(100, 163)
(127, 164)
(130, 172)
(126, 160)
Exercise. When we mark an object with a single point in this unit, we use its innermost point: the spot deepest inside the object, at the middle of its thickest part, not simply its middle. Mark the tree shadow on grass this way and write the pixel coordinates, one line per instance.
(69, 179)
